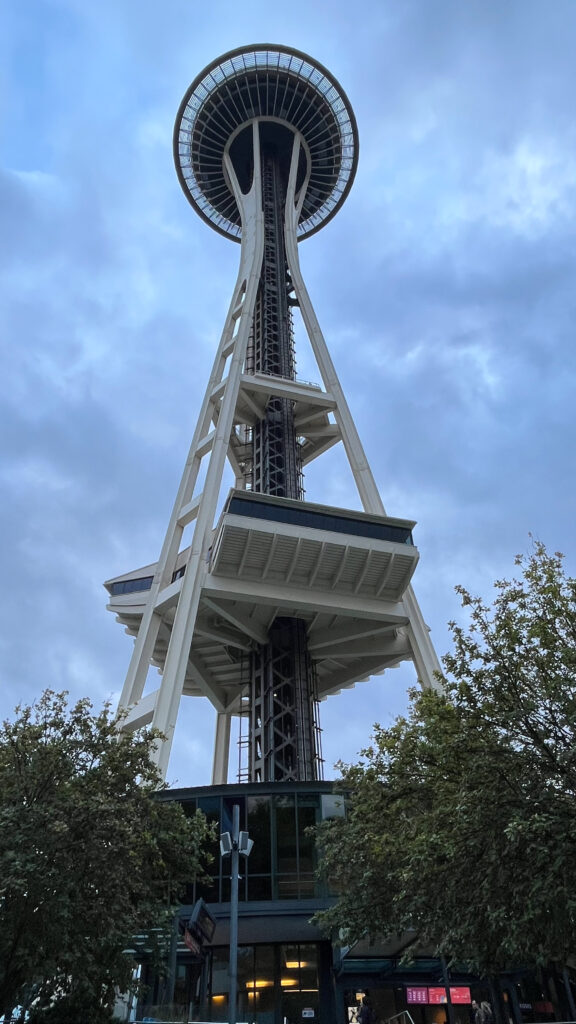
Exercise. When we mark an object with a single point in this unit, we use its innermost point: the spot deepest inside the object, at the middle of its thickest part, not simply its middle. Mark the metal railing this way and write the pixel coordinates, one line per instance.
(397, 1016)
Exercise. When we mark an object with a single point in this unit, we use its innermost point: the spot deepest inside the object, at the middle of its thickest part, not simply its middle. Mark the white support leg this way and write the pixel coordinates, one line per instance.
(183, 628)
(424, 655)
(224, 390)
(221, 750)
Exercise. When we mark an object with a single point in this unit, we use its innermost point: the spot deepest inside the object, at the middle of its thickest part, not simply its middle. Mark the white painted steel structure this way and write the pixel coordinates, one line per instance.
(198, 611)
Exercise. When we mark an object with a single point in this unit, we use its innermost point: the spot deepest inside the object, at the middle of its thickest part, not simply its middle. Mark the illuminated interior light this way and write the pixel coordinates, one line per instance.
(293, 965)
(259, 983)
(288, 982)
(218, 999)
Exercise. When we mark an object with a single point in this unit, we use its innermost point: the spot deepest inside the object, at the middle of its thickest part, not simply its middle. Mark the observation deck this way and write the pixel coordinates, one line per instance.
(343, 572)
(288, 542)
(283, 89)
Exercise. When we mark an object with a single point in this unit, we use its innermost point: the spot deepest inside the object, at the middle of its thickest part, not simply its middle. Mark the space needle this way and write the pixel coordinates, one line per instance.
(261, 601)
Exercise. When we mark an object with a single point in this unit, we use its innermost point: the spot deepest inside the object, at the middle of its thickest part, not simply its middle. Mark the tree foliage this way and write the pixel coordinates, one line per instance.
(87, 856)
(460, 819)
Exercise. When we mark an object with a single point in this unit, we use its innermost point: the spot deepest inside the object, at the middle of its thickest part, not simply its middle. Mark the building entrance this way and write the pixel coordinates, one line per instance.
(277, 984)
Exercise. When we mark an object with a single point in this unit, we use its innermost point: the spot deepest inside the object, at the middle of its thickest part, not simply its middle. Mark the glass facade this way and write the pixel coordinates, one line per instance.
(305, 516)
(274, 982)
(282, 864)
(137, 584)
(288, 973)
(131, 586)
(284, 964)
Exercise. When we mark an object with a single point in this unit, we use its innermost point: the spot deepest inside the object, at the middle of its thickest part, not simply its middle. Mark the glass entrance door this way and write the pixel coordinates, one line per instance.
(299, 1002)
(277, 984)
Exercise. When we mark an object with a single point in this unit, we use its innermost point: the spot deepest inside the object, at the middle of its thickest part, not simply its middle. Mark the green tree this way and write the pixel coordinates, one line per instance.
(460, 819)
(87, 856)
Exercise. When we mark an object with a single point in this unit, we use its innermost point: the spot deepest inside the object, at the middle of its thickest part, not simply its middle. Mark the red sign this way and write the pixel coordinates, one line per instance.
(416, 995)
(460, 994)
(191, 942)
(437, 995)
(420, 994)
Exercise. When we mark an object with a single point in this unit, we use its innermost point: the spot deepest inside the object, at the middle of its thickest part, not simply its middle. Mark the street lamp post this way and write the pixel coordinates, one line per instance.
(234, 844)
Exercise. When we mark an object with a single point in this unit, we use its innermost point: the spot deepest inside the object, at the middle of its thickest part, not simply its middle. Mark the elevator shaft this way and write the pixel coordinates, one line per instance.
(282, 697)
(277, 466)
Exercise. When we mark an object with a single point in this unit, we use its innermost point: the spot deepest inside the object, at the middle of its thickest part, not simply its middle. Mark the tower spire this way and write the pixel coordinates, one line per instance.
(276, 603)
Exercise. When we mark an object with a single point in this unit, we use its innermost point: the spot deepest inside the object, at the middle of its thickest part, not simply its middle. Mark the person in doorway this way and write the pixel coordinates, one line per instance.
(482, 1012)
(487, 1015)
(477, 1011)
(366, 1013)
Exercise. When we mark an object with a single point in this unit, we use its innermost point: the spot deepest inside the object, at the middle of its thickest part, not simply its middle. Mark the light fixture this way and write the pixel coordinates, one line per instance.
(226, 844)
(245, 844)
(293, 965)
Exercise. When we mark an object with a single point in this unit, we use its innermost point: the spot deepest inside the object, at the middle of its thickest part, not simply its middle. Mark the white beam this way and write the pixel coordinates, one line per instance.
(304, 598)
(221, 634)
(205, 681)
(349, 675)
(239, 619)
(375, 646)
(221, 750)
(344, 634)
(140, 714)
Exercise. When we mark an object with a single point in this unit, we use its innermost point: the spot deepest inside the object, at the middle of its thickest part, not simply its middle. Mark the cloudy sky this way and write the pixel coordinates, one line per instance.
(445, 287)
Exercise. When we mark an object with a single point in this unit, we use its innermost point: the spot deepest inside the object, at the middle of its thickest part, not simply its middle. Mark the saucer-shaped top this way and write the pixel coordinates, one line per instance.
(270, 83)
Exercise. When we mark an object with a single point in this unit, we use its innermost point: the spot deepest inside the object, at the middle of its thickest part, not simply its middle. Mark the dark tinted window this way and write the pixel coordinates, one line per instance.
(132, 586)
(319, 520)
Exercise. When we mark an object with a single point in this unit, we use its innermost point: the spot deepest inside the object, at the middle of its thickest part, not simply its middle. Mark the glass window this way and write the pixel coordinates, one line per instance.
(306, 850)
(315, 519)
(259, 887)
(259, 828)
(131, 586)
(262, 1002)
(189, 807)
(283, 860)
(299, 980)
(208, 889)
(286, 847)
(333, 805)
(210, 806)
(219, 985)
(228, 811)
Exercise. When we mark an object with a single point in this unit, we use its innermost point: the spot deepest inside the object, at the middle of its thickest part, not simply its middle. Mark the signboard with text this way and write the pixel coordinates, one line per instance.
(417, 994)
(437, 995)
(431, 996)
(460, 994)
(192, 943)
